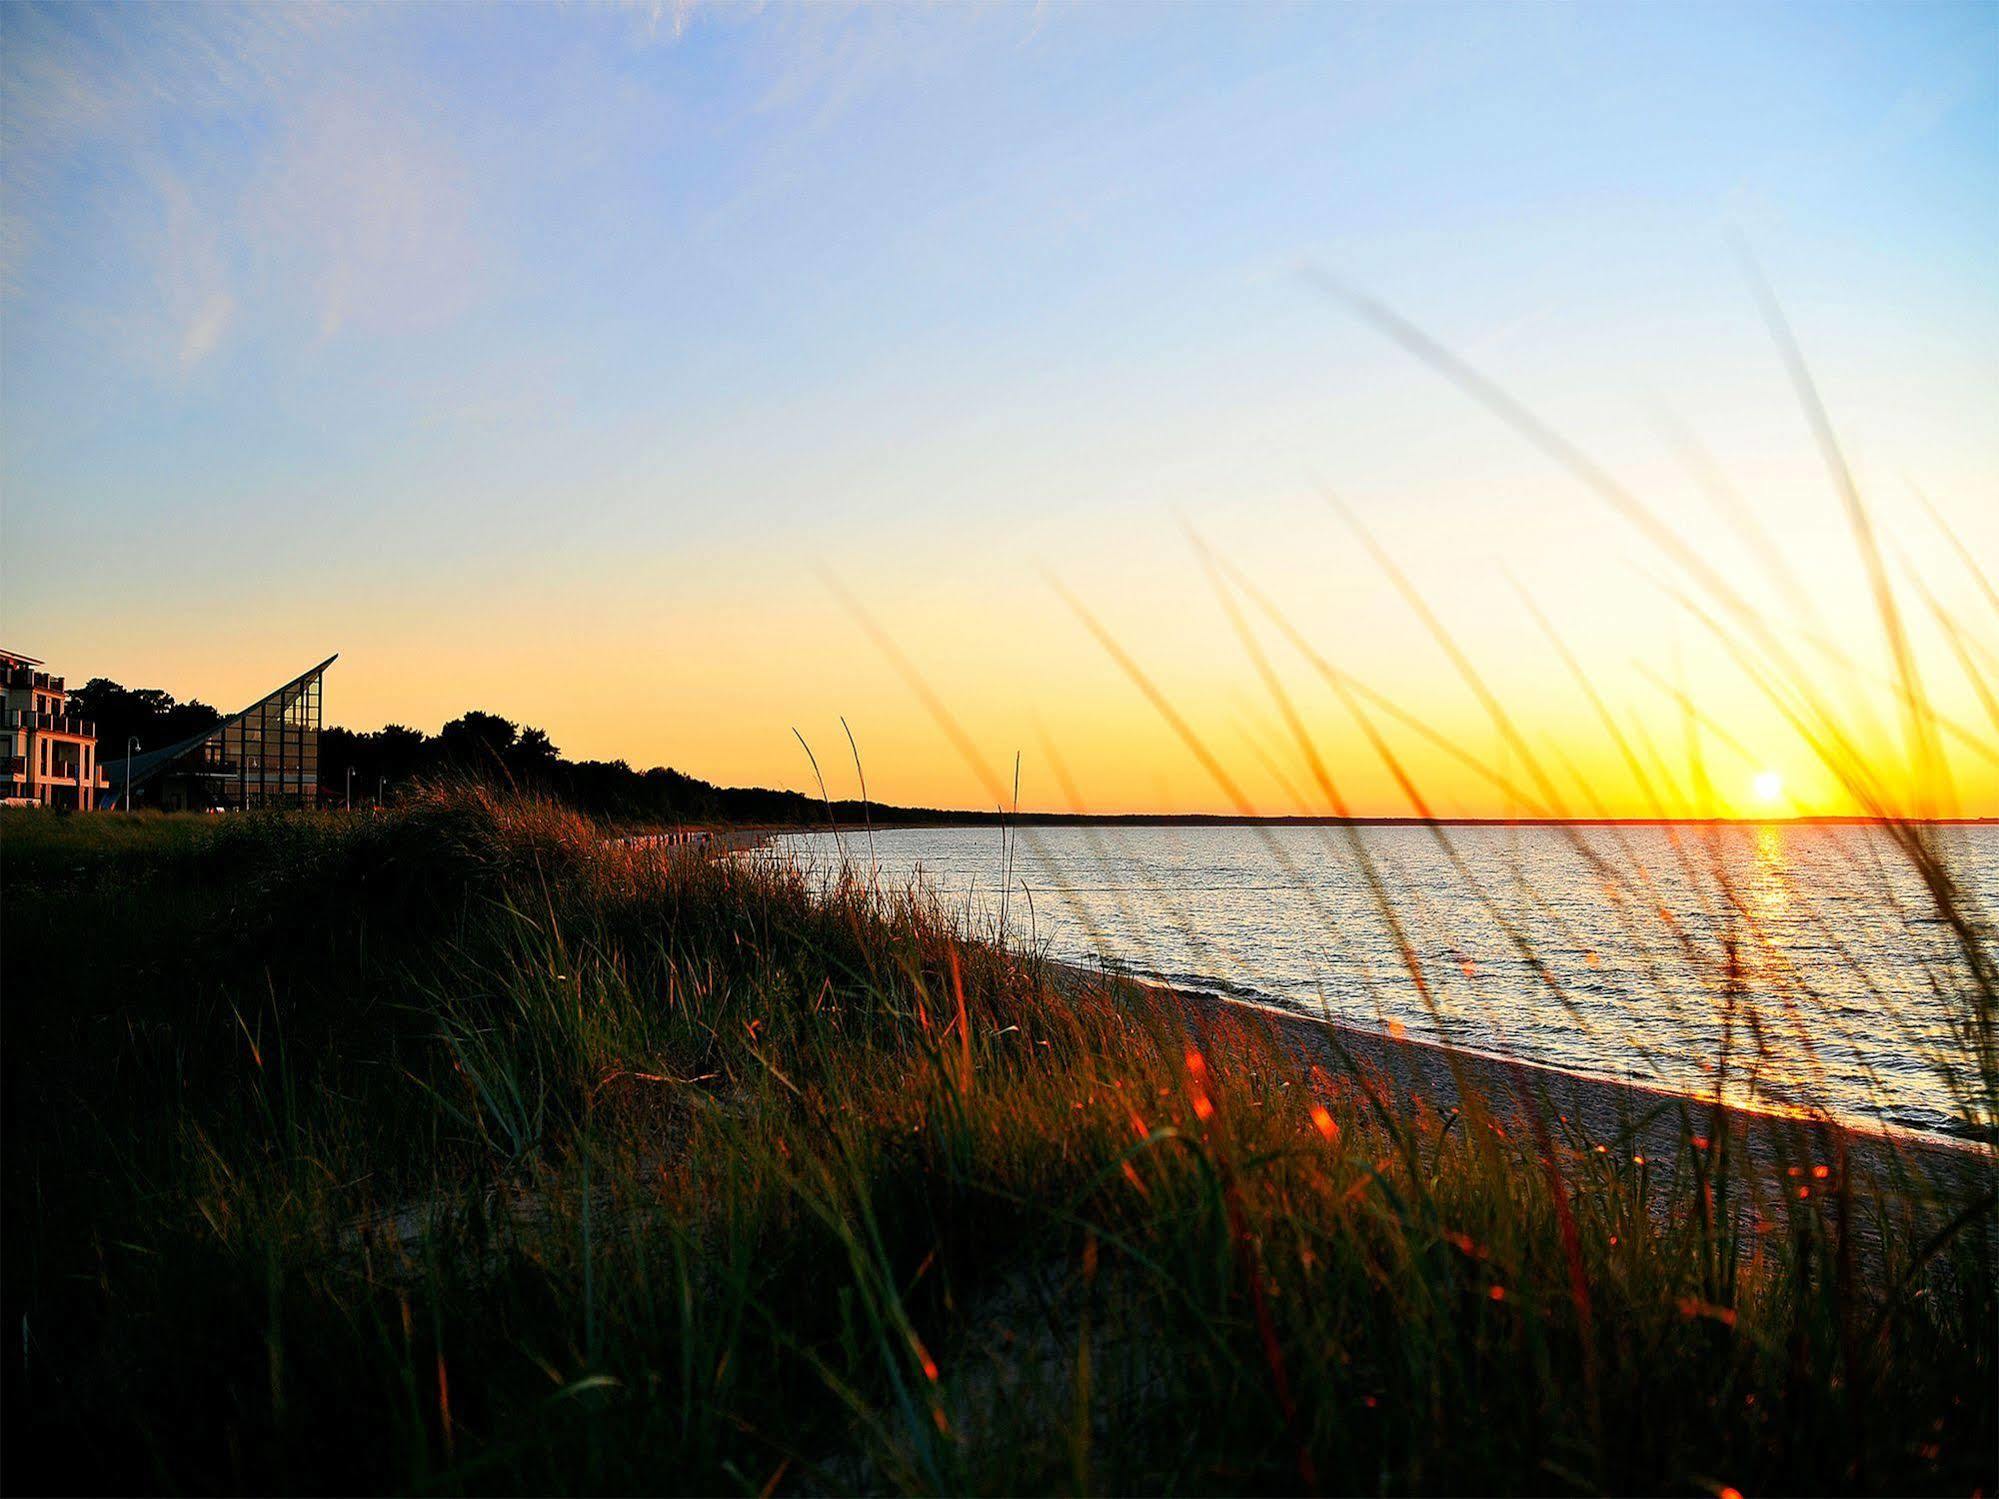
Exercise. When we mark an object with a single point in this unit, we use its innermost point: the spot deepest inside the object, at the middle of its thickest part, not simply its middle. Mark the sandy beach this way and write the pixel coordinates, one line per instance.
(1930, 1175)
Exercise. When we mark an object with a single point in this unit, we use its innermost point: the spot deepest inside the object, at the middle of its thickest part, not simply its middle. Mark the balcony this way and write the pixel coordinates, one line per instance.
(52, 723)
(28, 678)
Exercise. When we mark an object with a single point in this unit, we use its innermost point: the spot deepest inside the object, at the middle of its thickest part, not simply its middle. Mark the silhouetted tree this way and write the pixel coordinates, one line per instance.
(405, 751)
(533, 759)
(478, 741)
(154, 716)
(390, 758)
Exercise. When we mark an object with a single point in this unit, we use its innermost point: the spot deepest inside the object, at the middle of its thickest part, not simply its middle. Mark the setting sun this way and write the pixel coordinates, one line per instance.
(1769, 786)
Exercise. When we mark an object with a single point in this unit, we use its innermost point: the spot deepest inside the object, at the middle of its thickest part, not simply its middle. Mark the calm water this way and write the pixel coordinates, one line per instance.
(1603, 950)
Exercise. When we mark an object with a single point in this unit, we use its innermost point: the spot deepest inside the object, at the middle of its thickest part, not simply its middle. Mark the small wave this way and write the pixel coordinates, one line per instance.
(1938, 1124)
(1201, 983)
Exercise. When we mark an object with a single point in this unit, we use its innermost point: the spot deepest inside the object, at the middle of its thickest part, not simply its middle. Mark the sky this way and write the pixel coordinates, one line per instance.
(674, 378)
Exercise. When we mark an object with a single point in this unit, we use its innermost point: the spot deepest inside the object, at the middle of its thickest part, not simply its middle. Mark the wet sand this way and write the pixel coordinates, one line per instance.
(1929, 1175)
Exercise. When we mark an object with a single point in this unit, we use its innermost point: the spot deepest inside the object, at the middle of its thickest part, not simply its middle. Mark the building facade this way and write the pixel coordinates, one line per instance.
(266, 756)
(48, 757)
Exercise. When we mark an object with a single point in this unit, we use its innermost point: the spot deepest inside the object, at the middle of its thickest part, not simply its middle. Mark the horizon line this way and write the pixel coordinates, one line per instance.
(939, 817)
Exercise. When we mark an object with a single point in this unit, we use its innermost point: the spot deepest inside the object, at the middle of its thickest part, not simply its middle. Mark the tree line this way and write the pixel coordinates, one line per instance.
(389, 760)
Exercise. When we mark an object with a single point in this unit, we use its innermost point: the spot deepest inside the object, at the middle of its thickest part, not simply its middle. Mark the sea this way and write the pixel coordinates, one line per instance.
(1794, 966)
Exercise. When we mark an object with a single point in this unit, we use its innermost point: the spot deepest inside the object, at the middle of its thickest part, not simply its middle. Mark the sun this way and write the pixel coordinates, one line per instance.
(1769, 786)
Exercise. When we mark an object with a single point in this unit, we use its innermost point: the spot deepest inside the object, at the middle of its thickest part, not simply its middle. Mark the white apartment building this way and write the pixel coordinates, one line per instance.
(47, 757)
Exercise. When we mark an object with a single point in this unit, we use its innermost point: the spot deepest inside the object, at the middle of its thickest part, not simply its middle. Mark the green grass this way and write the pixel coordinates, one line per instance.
(453, 1150)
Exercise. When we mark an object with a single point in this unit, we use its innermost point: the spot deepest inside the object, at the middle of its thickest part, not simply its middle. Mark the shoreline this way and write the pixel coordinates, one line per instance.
(1432, 1061)
(1636, 1118)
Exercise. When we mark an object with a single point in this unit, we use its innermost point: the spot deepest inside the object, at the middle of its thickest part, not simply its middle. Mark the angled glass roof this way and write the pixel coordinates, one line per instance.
(265, 756)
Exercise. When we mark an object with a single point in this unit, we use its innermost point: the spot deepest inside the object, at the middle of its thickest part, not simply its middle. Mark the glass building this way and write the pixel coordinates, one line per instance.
(265, 756)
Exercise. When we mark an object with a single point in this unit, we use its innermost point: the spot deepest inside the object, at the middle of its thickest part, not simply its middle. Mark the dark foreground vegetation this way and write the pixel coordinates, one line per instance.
(456, 1150)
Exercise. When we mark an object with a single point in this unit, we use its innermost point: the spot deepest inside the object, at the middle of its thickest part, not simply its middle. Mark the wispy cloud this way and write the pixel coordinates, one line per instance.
(224, 166)
(361, 218)
(195, 304)
(672, 18)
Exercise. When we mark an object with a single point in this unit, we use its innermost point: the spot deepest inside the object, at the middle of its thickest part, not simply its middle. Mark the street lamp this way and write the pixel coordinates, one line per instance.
(381, 791)
(131, 749)
(350, 788)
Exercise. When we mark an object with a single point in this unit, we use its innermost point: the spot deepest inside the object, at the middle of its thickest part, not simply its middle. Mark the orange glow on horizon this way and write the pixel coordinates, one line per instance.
(711, 677)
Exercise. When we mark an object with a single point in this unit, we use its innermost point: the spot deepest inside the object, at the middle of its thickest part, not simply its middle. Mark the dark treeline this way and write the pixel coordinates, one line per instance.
(389, 760)
(490, 746)
(152, 717)
(487, 745)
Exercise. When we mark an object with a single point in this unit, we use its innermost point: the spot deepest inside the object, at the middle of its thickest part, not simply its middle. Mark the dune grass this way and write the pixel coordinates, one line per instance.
(458, 1150)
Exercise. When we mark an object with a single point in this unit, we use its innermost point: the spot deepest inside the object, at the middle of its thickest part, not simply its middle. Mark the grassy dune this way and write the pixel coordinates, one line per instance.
(455, 1150)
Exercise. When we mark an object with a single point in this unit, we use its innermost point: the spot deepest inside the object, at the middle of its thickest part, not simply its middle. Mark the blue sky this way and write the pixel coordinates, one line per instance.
(526, 353)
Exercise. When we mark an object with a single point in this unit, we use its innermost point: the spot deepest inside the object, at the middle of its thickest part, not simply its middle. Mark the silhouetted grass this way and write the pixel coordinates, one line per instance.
(457, 1149)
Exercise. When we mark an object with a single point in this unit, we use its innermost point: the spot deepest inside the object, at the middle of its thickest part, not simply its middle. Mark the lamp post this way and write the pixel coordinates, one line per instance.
(381, 791)
(350, 788)
(131, 749)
